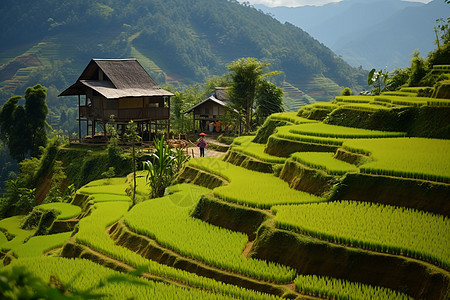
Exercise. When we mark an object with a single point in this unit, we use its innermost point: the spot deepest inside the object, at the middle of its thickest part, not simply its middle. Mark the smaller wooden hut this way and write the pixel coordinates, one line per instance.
(123, 89)
(211, 109)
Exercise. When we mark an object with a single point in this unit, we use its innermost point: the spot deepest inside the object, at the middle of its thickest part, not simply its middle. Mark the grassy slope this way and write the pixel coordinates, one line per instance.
(167, 219)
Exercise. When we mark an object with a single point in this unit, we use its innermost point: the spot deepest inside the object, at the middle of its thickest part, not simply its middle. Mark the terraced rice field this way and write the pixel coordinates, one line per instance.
(377, 227)
(324, 161)
(405, 157)
(167, 243)
(244, 145)
(250, 187)
(171, 226)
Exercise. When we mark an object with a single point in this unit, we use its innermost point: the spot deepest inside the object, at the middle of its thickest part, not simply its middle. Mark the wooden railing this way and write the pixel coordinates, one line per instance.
(153, 113)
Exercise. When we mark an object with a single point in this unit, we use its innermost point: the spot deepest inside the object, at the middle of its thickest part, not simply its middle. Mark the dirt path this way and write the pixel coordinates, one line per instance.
(208, 153)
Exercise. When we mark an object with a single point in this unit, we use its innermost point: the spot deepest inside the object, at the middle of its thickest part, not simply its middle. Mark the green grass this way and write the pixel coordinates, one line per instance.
(369, 107)
(243, 144)
(321, 105)
(333, 131)
(38, 245)
(109, 197)
(417, 158)
(286, 132)
(3, 238)
(342, 289)
(173, 227)
(371, 226)
(438, 102)
(399, 93)
(290, 117)
(12, 226)
(320, 133)
(353, 99)
(249, 187)
(324, 161)
(66, 210)
(441, 67)
(92, 233)
(81, 276)
(114, 186)
(404, 97)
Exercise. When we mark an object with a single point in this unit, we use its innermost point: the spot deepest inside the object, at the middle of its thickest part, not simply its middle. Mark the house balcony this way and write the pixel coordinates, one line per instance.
(150, 113)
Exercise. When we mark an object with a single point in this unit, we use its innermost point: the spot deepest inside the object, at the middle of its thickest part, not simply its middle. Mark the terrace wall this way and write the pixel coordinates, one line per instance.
(312, 256)
(418, 194)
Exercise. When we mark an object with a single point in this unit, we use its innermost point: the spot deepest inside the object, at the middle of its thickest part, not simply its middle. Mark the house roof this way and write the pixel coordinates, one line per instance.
(211, 98)
(221, 93)
(114, 79)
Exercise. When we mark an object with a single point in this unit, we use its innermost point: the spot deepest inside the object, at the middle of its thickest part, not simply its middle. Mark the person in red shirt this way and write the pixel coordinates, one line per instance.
(202, 145)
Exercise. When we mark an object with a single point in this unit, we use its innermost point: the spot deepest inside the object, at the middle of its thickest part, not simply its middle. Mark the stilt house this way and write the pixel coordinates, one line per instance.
(123, 89)
(211, 109)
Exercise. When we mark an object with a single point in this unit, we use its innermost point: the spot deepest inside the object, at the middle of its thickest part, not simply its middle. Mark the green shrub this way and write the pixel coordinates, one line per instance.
(32, 219)
(346, 92)
(46, 221)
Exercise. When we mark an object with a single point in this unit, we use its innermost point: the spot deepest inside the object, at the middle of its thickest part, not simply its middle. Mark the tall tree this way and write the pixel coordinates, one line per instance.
(247, 74)
(269, 100)
(36, 112)
(23, 128)
(132, 135)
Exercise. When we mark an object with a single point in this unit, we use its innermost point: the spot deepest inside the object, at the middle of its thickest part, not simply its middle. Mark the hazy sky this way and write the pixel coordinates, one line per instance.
(293, 3)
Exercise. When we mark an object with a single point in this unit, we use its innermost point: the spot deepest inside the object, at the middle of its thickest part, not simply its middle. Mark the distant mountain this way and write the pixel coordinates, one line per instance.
(179, 42)
(373, 33)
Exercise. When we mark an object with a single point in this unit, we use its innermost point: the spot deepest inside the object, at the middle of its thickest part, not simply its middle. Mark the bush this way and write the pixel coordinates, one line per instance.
(32, 219)
(46, 221)
(346, 92)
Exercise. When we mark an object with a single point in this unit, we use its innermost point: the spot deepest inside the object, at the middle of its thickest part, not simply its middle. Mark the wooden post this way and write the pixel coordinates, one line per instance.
(168, 120)
(79, 119)
(193, 125)
(87, 118)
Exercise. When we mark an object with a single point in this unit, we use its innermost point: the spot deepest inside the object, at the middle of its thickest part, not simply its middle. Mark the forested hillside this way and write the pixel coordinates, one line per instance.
(179, 42)
(354, 28)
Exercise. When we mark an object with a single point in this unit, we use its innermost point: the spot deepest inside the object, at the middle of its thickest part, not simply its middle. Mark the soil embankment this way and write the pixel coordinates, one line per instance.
(247, 162)
(150, 249)
(283, 147)
(312, 256)
(303, 178)
(199, 177)
(231, 216)
(418, 194)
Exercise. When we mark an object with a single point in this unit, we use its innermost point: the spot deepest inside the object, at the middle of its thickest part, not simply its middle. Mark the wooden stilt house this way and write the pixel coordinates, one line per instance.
(123, 89)
(212, 109)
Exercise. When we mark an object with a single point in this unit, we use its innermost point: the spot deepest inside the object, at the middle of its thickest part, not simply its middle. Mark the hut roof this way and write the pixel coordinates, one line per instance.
(219, 96)
(211, 98)
(221, 93)
(116, 78)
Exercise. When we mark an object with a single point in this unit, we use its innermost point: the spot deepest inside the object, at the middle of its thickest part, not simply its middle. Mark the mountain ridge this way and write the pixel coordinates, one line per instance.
(185, 42)
(347, 28)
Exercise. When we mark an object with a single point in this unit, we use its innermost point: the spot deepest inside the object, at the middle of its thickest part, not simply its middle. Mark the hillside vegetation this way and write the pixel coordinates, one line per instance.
(306, 209)
(345, 199)
(354, 28)
(179, 42)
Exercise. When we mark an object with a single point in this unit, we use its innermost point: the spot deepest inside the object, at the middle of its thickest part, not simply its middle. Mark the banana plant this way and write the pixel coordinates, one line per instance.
(376, 78)
(163, 167)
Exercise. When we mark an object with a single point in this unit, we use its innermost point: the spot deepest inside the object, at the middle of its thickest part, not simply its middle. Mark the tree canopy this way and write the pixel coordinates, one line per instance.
(247, 75)
(23, 128)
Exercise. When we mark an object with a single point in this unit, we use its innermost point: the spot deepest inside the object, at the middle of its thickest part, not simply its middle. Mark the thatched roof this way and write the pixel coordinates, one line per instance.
(211, 98)
(114, 79)
(221, 93)
(219, 96)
